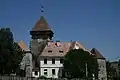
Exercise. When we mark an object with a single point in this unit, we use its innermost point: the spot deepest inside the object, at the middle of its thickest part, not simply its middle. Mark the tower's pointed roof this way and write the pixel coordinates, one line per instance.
(41, 25)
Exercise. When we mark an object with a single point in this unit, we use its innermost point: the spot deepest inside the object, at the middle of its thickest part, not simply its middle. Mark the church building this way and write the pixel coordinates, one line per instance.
(48, 56)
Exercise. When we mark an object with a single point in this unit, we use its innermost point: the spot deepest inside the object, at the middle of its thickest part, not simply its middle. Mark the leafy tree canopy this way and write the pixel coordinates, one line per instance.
(10, 52)
(78, 62)
(111, 71)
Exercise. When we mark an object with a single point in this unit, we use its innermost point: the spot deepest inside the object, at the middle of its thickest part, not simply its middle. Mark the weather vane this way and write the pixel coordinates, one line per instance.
(42, 8)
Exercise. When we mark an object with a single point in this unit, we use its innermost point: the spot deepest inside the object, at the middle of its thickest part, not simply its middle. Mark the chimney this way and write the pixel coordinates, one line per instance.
(57, 43)
(48, 44)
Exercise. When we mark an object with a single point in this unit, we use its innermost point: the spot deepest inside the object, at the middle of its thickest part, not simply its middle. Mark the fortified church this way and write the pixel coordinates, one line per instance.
(45, 57)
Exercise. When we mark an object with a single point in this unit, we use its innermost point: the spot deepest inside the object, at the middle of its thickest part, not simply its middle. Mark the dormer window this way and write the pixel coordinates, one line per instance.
(76, 46)
(49, 51)
(60, 51)
(57, 43)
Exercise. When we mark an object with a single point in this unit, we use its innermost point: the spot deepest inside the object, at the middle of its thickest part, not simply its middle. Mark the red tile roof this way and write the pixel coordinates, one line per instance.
(97, 54)
(52, 46)
(60, 50)
(23, 46)
(41, 25)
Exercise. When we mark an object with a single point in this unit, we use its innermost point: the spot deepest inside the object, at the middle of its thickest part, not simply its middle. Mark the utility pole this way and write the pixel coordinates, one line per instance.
(86, 70)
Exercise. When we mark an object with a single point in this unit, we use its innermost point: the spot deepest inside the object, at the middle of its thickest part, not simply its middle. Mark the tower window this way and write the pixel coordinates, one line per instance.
(49, 51)
(45, 61)
(53, 71)
(53, 61)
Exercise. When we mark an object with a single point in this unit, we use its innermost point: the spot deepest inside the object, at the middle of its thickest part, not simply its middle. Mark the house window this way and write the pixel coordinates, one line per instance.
(53, 61)
(36, 73)
(45, 61)
(60, 51)
(49, 51)
(61, 61)
(53, 71)
(45, 71)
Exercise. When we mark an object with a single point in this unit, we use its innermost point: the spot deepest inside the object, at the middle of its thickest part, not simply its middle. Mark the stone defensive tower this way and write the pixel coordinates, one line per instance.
(40, 35)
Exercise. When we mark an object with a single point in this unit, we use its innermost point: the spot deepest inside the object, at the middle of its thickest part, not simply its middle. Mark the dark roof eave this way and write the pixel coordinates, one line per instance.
(52, 56)
(34, 29)
(100, 58)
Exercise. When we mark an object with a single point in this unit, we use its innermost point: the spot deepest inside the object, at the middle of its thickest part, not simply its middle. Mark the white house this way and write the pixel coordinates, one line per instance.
(51, 59)
(50, 66)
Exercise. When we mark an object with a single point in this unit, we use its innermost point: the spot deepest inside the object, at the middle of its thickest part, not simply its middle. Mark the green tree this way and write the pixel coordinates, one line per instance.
(17, 58)
(111, 71)
(79, 64)
(119, 67)
(10, 52)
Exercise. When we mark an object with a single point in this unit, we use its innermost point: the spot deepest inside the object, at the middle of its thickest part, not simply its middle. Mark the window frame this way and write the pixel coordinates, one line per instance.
(45, 60)
(45, 72)
(53, 60)
(53, 72)
(60, 51)
(49, 51)
(61, 62)
(36, 72)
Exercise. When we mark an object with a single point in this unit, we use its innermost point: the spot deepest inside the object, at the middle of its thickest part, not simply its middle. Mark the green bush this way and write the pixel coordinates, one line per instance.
(42, 77)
